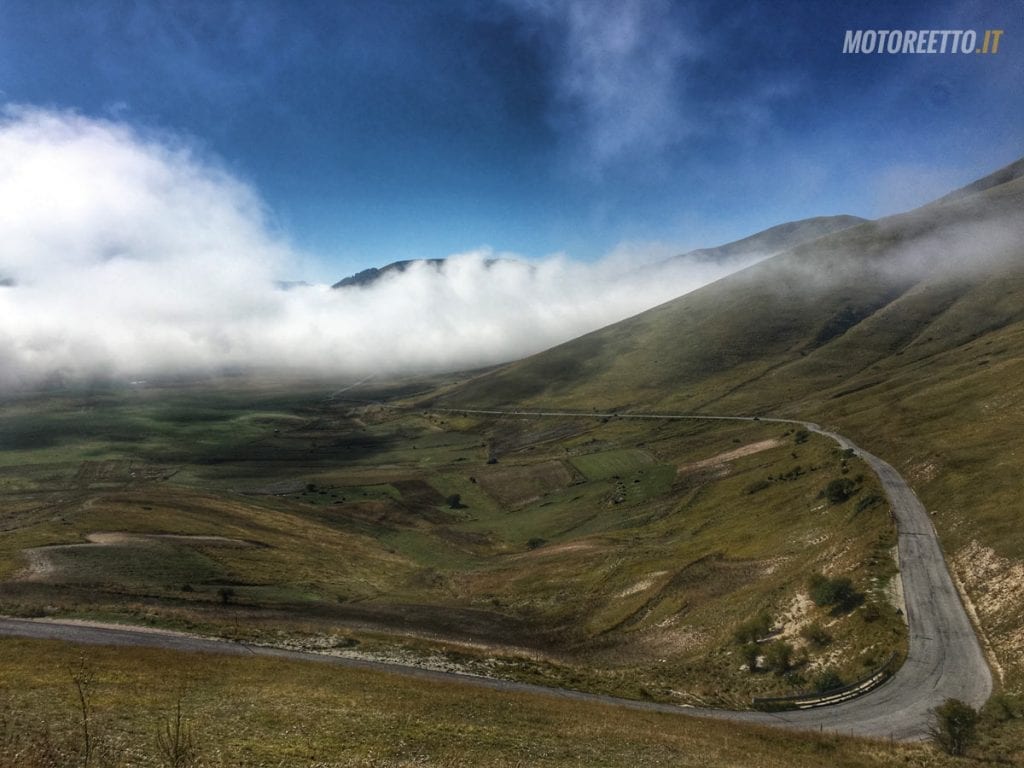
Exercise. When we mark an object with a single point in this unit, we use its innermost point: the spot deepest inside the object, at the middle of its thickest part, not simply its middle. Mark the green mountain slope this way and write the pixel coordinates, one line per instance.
(906, 333)
(885, 293)
(775, 239)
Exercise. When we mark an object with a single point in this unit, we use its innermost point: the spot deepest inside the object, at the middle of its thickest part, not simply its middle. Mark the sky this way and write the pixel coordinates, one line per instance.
(164, 167)
(377, 131)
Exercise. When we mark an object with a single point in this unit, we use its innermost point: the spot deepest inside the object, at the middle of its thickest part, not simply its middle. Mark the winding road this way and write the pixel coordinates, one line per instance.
(944, 659)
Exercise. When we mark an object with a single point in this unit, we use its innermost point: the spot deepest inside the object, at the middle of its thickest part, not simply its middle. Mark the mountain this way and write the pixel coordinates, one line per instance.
(774, 239)
(821, 314)
(373, 274)
(1006, 174)
(906, 333)
(769, 241)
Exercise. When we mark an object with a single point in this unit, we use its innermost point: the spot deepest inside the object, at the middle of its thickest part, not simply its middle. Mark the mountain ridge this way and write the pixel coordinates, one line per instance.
(857, 271)
(773, 239)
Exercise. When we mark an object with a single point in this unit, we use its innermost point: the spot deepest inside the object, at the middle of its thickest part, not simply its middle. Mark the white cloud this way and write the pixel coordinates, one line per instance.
(133, 256)
(618, 79)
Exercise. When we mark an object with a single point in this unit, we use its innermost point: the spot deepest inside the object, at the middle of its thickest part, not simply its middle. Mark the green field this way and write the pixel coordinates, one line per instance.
(611, 556)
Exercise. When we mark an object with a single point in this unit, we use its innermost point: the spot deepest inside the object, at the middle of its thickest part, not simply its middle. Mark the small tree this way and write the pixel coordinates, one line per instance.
(954, 727)
(226, 594)
(454, 501)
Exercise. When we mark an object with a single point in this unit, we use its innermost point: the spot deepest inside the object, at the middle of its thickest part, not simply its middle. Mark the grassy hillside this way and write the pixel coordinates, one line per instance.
(906, 333)
(245, 713)
(775, 239)
(584, 552)
(887, 293)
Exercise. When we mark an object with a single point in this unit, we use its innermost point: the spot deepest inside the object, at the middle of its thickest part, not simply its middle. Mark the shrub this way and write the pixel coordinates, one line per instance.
(535, 542)
(839, 490)
(174, 742)
(816, 635)
(750, 653)
(454, 501)
(758, 485)
(751, 630)
(828, 680)
(838, 593)
(869, 501)
(779, 656)
(801, 436)
(1004, 706)
(954, 727)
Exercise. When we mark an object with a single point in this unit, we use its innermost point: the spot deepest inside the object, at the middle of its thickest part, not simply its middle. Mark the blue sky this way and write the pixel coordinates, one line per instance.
(376, 131)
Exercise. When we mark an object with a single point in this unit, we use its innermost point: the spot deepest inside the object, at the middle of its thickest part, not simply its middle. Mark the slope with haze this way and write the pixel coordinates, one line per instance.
(766, 242)
(905, 333)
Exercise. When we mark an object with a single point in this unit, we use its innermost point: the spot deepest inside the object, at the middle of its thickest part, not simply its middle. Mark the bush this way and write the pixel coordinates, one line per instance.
(535, 542)
(954, 727)
(868, 502)
(838, 593)
(779, 656)
(816, 635)
(751, 652)
(871, 613)
(801, 436)
(838, 491)
(752, 630)
(1005, 706)
(758, 485)
(828, 680)
(455, 501)
(174, 742)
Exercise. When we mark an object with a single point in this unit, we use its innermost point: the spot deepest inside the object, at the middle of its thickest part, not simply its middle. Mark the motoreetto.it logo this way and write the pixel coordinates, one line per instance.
(935, 41)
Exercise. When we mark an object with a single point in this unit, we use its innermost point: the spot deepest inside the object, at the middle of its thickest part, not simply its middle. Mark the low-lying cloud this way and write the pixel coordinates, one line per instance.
(130, 255)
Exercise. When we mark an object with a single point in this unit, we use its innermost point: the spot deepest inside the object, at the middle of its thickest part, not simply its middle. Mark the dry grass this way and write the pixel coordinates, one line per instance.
(249, 713)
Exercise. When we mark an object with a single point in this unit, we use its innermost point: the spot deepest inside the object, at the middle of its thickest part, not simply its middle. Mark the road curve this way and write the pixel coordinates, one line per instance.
(944, 658)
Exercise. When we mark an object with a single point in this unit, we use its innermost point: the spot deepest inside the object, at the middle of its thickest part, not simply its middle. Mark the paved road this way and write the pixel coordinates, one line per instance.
(944, 660)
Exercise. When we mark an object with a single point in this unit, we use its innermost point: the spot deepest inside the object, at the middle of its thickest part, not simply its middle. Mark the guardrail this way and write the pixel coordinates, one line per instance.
(834, 696)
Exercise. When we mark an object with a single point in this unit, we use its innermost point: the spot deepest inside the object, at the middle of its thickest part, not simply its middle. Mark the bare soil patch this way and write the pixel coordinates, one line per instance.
(726, 456)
